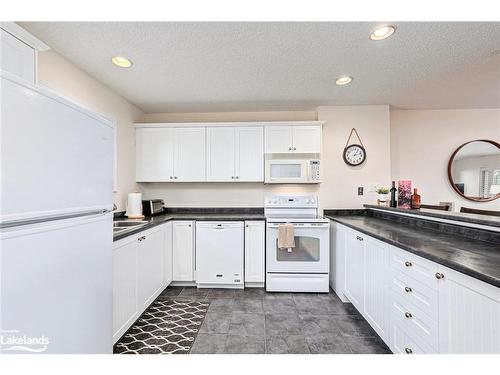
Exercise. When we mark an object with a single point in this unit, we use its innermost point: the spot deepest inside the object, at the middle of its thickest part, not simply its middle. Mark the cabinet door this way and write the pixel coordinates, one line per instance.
(154, 154)
(469, 314)
(354, 268)
(255, 251)
(337, 259)
(306, 139)
(167, 255)
(278, 139)
(183, 250)
(249, 154)
(376, 289)
(189, 158)
(17, 57)
(125, 309)
(220, 154)
(150, 268)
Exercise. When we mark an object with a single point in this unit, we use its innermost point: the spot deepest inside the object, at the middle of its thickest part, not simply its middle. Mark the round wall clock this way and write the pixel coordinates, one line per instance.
(354, 155)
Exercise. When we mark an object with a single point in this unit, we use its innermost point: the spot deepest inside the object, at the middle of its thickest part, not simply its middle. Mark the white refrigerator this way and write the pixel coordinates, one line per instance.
(56, 232)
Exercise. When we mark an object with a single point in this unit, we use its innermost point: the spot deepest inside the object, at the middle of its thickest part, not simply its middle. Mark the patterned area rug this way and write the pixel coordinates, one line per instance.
(166, 327)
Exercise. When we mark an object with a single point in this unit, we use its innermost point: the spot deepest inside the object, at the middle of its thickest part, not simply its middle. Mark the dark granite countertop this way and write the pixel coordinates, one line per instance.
(492, 221)
(212, 215)
(476, 258)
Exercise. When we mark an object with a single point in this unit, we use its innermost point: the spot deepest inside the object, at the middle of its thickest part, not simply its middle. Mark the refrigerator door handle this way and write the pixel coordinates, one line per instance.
(18, 223)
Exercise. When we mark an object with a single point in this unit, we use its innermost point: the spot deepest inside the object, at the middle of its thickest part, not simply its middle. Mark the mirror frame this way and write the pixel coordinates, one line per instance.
(450, 177)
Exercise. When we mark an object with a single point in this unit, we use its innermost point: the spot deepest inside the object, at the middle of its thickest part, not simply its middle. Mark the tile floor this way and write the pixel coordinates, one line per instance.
(254, 321)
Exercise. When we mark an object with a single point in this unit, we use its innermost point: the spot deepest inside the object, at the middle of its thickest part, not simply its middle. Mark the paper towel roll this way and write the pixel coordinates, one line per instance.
(134, 206)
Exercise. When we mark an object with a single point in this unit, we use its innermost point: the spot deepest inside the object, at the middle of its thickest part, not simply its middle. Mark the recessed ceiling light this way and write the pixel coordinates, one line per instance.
(344, 80)
(122, 62)
(382, 33)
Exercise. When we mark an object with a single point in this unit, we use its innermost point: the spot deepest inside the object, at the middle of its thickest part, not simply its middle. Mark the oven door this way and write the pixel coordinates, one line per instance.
(310, 254)
(286, 171)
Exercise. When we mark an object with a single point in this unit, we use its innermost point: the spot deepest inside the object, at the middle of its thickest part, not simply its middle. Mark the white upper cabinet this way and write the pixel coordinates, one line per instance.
(306, 139)
(249, 154)
(223, 152)
(220, 154)
(279, 139)
(154, 150)
(17, 57)
(169, 154)
(293, 139)
(235, 154)
(189, 154)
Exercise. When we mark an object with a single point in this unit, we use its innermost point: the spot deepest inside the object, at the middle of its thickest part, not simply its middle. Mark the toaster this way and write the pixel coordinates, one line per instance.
(152, 206)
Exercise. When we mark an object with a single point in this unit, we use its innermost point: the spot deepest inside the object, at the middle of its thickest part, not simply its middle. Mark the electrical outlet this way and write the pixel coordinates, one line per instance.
(360, 190)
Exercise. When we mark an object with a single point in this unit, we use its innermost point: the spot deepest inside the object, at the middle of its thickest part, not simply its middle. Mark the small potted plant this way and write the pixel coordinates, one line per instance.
(383, 194)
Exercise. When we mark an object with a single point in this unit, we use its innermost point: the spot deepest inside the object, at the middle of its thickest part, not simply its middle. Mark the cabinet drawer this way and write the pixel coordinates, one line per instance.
(414, 321)
(415, 293)
(403, 343)
(414, 266)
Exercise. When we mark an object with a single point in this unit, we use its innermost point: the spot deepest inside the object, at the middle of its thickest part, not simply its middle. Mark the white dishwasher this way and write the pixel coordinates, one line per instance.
(219, 254)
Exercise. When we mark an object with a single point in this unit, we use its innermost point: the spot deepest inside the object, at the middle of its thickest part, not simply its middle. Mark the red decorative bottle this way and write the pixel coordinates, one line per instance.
(415, 199)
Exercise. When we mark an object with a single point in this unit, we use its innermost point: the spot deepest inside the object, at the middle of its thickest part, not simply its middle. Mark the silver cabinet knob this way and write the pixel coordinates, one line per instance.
(408, 264)
(439, 275)
(175, 177)
(171, 177)
(289, 149)
(232, 177)
(189, 225)
(407, 289)
(294, 148)
(236, 177)
(408, 351)
(408, 315)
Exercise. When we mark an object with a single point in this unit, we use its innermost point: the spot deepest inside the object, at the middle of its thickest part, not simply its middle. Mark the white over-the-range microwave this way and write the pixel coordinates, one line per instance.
(298, 171)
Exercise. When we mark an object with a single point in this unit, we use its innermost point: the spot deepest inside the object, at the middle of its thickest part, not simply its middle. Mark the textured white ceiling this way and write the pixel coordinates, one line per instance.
(182, 67)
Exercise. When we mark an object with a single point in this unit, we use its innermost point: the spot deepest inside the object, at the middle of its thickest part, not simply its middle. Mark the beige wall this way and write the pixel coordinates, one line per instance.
(62, 76)
(339, 189)
(340, 182)
(422, 142)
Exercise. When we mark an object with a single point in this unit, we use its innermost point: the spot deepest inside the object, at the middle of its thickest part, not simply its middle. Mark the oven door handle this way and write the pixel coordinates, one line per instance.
(301, 225)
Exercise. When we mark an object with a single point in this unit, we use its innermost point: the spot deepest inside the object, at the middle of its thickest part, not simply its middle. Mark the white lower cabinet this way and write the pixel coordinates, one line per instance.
(469, 314)
(150, 265)
(141, 265)
(255, 247)
(183, 251)
(355, 269)
(167, 255)
(414, 304)
(125, 298)
(376, 262)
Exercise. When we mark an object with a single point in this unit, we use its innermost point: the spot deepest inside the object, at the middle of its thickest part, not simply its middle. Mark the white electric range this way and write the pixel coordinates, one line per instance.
(304, 268)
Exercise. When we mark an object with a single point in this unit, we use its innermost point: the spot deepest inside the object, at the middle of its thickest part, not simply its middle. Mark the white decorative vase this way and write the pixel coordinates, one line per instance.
(383, 197)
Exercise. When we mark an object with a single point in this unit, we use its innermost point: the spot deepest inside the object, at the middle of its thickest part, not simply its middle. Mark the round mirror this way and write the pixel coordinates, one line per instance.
(474, 170)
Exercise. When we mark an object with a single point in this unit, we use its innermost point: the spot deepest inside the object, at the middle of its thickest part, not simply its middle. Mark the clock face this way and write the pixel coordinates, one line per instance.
(354, 155)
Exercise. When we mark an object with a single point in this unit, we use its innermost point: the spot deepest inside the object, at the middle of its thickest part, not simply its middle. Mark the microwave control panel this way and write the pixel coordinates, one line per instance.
(315, 170)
